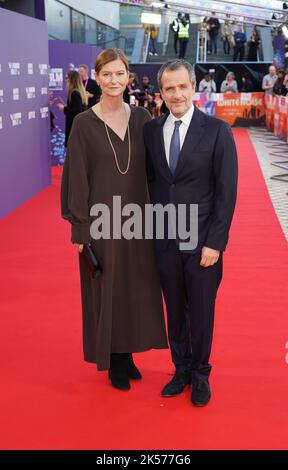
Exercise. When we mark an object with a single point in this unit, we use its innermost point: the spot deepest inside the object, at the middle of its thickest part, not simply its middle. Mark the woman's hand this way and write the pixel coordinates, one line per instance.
(60, 106)
(80, 248)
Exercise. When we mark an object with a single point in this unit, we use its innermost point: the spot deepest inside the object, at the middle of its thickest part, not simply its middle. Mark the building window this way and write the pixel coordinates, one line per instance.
(90, 30)
(78, 27)
(101, 34)
(58, 19)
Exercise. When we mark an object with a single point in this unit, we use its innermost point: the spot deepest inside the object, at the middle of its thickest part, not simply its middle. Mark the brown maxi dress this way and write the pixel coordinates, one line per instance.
(122, 309)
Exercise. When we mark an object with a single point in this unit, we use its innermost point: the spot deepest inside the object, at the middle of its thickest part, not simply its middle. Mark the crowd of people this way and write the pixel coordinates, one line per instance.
(274, 83)
(233, 37)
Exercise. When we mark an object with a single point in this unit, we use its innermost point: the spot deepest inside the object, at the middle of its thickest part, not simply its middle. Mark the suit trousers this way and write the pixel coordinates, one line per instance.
(189, 291)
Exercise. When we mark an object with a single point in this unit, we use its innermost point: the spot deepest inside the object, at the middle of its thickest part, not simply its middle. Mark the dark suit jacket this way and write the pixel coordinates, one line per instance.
(95, 90)
(206, 175)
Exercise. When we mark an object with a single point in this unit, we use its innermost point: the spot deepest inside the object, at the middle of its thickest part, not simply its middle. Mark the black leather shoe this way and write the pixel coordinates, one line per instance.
(132, 371)
(177, 384)
(201, 392)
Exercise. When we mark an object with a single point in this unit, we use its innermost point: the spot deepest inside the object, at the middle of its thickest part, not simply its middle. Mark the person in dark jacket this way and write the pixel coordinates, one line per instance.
(253, 47)
(191, 159)
(76, 101)
(214, 26)
(240, 41)
(247, 85)
(279, 87)
(146, 96)
(92, 89)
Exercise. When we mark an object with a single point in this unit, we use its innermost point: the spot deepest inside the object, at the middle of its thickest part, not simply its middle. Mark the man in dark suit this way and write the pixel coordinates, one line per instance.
(92, 89)
(191, 159)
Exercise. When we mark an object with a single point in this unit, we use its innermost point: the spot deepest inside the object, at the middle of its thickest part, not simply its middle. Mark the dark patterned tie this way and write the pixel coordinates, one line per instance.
(174, 147)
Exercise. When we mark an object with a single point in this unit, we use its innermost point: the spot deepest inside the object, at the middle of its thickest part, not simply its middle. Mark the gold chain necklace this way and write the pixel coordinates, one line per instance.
(114, 152)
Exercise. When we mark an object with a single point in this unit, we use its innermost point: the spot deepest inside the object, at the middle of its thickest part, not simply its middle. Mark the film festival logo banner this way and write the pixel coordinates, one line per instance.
(241, 109)
(56, 79)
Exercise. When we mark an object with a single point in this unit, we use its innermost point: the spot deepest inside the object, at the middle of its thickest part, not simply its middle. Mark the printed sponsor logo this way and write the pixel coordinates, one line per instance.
(16, 119)
(14, 68)
(16, 96)
(30, 92)
(31, 115)
(44, 112)
(30, 69)
(43, 68)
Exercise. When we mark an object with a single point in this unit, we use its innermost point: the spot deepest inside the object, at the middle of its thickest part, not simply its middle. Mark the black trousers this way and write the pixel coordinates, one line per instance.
(226, 45)
(189, 292)
(175, 43)
(182, 49)
(238, 50)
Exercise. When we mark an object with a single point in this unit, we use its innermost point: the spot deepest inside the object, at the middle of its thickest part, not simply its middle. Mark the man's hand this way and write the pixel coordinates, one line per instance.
(79, 247)
(209, 257)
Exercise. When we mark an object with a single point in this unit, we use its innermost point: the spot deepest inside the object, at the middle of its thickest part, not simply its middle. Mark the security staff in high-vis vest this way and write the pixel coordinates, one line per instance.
(183, 36)
(175, 28)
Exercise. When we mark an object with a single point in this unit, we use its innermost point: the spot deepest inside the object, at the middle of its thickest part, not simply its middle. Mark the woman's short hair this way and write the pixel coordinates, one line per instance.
(108, 55)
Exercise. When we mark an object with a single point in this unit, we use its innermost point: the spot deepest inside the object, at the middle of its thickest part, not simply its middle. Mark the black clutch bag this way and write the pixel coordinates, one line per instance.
(91, 261)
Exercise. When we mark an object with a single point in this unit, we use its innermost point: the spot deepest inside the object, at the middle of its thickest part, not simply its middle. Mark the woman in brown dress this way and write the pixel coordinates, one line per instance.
(122, 309)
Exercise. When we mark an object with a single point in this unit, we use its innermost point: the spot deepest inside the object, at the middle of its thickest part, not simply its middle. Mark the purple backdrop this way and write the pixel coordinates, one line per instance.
(24, 118)
(64, 56)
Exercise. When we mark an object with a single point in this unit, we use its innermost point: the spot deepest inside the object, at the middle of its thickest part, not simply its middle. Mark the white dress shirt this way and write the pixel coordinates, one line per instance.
(169, 126)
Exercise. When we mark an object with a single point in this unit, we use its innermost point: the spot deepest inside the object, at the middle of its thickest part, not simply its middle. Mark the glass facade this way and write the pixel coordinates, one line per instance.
(66, 23)
(90, 30)
(77, 26)
(58, 17)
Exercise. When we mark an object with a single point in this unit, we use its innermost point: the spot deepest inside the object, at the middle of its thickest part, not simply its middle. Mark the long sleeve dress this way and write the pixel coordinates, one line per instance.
(122, 309)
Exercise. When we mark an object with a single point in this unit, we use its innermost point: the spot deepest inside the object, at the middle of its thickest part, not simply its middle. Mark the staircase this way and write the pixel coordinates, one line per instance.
(166, 51)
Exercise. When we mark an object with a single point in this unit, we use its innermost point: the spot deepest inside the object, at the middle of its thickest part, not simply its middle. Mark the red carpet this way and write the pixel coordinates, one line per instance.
(51, 399)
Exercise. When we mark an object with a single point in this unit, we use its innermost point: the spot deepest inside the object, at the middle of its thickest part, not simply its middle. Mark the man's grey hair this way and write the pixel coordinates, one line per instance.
(176, 64)
(84, 66)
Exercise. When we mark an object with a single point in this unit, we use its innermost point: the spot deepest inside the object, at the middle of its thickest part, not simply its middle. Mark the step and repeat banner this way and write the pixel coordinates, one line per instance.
(64, 56)
(277, 116)
(24, 112)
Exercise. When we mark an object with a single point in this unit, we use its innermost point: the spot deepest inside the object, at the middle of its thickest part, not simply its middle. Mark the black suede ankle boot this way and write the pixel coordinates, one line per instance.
(118, 371)
(132, 371)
